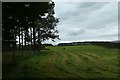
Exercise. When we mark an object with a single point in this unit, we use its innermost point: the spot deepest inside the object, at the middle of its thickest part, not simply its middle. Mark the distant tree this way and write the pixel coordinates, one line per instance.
(47, 44)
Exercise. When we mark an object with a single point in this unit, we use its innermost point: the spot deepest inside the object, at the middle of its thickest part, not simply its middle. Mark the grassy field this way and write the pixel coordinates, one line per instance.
(87, 61)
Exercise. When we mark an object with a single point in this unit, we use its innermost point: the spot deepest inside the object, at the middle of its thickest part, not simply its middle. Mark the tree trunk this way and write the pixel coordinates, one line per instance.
(31, 37)
(22, 42)
(38, 40)
(13, 49)
(19, 40)
(25, 38)
(34, 42)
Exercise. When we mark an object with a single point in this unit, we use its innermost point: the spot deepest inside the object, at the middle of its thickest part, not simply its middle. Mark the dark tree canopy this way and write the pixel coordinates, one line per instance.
(19, 17)
(31, 22)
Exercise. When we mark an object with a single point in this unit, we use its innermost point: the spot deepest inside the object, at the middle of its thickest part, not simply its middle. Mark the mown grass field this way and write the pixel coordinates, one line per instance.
(87, 61)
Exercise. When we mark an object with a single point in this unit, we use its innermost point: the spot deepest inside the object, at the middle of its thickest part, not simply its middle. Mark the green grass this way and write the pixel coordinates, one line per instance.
(87, 61)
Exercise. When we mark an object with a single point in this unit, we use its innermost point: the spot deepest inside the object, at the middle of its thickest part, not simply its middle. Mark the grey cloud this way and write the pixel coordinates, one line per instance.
(92, 5)
(80, 9)
(107, 35)
(87, 4)
(87, 21)
(75, 32)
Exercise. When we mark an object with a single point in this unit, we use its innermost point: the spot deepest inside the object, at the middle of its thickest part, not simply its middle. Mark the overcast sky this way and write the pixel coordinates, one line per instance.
(86, 21)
